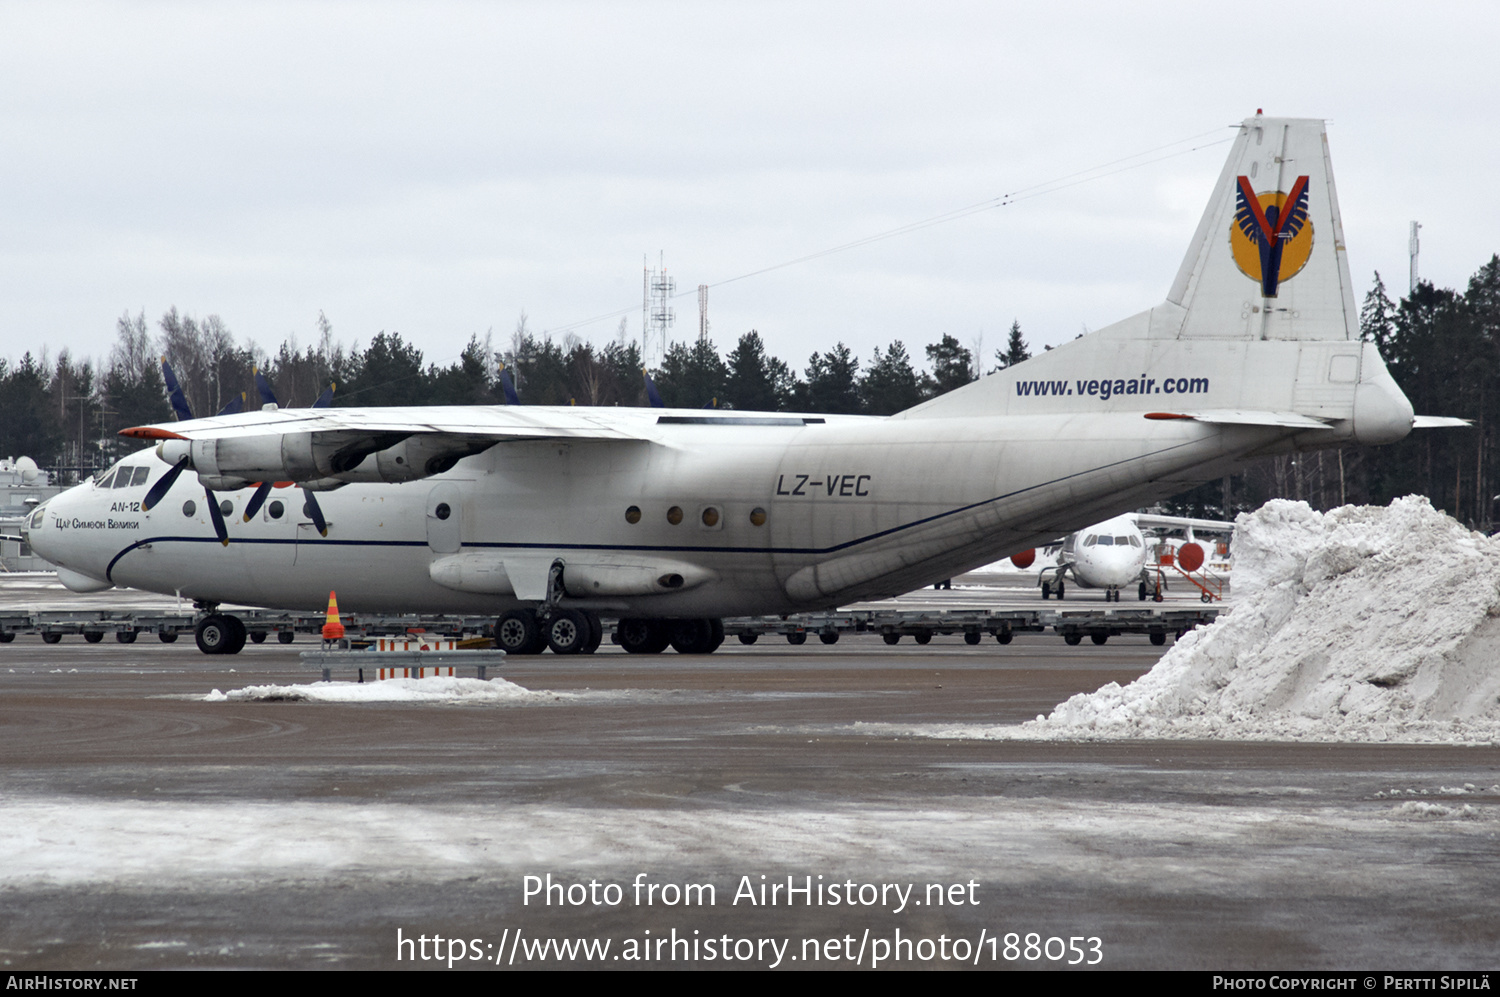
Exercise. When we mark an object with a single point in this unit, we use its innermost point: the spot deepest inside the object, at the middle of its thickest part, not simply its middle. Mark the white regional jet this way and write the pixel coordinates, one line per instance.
(672, 519)
(1112, 555)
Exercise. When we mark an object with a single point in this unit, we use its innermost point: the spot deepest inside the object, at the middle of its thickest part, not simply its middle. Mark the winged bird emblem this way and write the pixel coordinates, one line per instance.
(1269, 224)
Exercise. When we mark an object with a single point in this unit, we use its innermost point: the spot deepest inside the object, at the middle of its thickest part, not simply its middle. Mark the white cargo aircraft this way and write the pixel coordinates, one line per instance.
(672, 519)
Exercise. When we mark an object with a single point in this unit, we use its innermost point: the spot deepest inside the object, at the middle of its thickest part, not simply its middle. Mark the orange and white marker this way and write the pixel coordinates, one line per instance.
(332, 628)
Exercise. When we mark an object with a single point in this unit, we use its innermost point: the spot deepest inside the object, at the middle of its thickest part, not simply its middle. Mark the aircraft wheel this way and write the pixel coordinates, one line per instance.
(1142, 591)
(1158, 637)
(639, 636)
(237, 635)
(797, 637)
(749, 638)
(286, 636)
(922, 637)
(891, 638)
(125, 636)
(1004, 636)
(829, 637)
(1099, 638)
(167, 636)
(517, 632)
(93, 636)
(1046, 590)
(1205, 597)
(6, 636)
(51, 638)
(1060, 588)
(1158, 597)
(697, 636)
(1073, 638)
(215, 634)
(971, 637)
(567, 631)
(596, 632)
(259, 637)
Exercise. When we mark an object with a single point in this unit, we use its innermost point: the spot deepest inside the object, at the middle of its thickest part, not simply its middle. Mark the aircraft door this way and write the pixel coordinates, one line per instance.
(444, 518)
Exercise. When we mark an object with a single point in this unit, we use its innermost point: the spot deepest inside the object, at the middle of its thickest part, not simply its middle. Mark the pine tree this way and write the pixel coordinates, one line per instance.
(890, 385)
(1016, 351)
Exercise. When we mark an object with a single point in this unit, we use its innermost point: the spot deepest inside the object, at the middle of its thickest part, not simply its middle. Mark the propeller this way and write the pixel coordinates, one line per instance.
(159, 490)
(652, 395)
(215, 514)
(183, 412)
(174, 393)
(257, 500)
(509, 387)
(315, 512)
(263, 387)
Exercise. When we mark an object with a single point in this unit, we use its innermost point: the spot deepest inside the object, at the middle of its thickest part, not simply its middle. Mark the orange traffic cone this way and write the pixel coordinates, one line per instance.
(332, 628)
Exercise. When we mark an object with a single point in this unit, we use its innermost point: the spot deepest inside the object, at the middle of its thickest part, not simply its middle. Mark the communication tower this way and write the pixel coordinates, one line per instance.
(702, 313)
(1414, 247)
(657, 316)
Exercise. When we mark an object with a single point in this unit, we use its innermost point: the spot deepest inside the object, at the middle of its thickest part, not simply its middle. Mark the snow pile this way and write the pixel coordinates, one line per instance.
(431, 690)
(1360, 624)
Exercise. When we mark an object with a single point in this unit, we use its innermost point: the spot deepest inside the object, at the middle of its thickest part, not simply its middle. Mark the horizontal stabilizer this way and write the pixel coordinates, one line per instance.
(1440, 422)
(1239, 417)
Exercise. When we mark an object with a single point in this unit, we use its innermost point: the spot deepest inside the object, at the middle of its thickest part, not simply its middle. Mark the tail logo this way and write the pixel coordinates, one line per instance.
(1271, 236)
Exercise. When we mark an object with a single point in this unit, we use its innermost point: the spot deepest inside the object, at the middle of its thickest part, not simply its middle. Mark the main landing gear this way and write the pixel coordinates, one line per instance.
(565, 631)
(640, 636)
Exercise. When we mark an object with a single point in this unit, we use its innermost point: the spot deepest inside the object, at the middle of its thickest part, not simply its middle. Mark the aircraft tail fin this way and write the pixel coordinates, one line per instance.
(1259, 327)
(1268, 259)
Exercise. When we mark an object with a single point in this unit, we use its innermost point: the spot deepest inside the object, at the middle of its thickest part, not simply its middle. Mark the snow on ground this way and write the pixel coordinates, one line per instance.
(428, 690)
(153, 844)
(1359, 624)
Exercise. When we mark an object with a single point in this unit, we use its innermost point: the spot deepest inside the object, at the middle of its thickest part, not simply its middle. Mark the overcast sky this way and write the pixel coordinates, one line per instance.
(436, 169)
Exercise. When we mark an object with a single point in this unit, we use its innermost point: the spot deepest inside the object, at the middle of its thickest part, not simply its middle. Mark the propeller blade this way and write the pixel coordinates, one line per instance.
(235, 406)
(652, 395)
(509, 387)
(316, 512)
(174, 393)
(159, 490)
(267, 396)
(325, 400)
(257, 500)
(217, 516)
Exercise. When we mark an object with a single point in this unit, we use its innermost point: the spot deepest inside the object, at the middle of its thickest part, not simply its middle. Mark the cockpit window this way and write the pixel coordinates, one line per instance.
(123, 477)
(1122, 541)
(105, 481)
(1091, 541)
(1106, 541)
(141, 474)
(1135, 541)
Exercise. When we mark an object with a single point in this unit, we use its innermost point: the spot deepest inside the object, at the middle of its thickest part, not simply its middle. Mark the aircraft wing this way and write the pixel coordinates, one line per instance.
(495, 423)
(1150, 522)
(327, 447)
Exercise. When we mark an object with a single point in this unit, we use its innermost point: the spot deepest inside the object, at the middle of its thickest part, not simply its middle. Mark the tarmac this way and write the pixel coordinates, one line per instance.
(841, 806)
